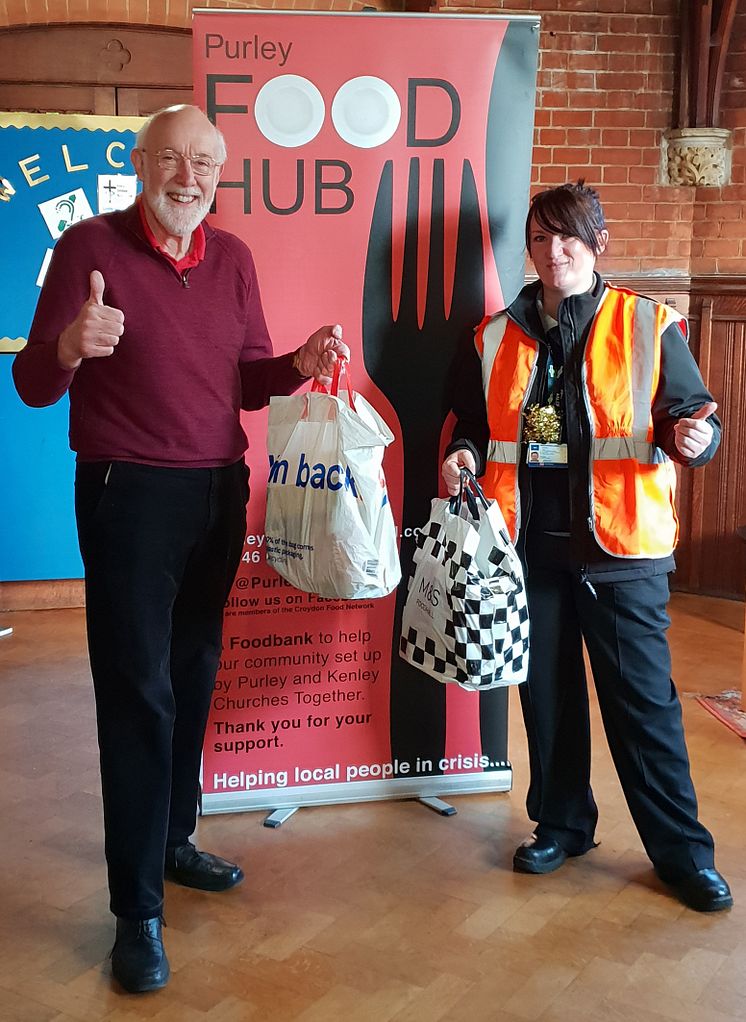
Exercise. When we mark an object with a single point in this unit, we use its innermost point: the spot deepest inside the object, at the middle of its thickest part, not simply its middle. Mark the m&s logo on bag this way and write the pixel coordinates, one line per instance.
(430, 592)
(318, 476)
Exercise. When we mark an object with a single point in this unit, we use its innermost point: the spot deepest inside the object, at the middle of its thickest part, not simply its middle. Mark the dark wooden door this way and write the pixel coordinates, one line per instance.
(94, 70)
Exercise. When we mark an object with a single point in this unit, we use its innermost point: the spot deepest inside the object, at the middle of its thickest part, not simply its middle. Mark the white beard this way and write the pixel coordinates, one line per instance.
(178, 221)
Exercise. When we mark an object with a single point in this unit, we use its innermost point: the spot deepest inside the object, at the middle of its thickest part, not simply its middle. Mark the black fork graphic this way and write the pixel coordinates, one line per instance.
(411, 365)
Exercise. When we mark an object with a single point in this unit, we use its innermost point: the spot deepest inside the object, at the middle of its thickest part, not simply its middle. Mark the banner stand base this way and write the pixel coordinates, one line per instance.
(279, 816)
(280, 803)
(437, 805)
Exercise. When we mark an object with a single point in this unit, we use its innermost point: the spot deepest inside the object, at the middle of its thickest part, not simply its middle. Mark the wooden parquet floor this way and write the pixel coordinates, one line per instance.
(379, 912)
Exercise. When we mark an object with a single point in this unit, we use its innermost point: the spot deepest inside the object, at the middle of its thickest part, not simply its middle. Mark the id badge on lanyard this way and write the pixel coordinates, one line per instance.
(540, 455)
(543, 425)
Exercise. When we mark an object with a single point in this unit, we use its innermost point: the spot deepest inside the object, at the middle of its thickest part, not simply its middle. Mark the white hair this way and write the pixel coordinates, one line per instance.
(222, 151)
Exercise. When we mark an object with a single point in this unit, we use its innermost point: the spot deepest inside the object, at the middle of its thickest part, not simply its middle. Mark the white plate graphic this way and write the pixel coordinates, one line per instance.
(289, 110)
(366, 112)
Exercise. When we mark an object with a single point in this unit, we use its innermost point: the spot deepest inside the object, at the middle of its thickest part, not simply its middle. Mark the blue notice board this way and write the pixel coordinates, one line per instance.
(54, 170)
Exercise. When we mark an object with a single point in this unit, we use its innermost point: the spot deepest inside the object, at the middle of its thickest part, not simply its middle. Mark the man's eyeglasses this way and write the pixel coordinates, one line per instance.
(169, 159)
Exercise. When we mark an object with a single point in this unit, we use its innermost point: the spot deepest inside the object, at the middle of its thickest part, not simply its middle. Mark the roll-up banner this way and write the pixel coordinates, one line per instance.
(378, 168)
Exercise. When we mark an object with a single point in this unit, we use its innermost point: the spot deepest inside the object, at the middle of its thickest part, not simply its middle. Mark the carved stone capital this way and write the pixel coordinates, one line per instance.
(697, 156)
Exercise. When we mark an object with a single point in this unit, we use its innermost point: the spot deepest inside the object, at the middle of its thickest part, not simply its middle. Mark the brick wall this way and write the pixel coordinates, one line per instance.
(172, 13)
(719, 243)
(605, 96)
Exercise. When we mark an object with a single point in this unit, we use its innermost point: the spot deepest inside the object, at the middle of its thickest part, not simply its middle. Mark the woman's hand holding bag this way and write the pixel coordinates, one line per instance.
(466, 615)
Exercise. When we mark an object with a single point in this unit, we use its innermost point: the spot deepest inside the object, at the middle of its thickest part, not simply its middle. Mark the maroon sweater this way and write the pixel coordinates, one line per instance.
(195, 348)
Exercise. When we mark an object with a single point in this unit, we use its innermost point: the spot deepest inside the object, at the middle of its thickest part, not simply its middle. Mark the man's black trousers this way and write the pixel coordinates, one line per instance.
(624, 627)
(160, 547)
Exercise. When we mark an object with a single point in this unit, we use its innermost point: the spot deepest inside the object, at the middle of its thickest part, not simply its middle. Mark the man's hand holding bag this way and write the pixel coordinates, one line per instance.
(329, 526)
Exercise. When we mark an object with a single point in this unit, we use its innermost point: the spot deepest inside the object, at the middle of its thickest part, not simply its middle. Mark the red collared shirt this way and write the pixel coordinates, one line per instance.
(196, 251)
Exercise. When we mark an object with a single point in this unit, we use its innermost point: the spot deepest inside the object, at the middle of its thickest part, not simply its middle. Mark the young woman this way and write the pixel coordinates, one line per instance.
(575, 404)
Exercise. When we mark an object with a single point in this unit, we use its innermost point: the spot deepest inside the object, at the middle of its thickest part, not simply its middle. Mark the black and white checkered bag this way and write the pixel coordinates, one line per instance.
(466, 615)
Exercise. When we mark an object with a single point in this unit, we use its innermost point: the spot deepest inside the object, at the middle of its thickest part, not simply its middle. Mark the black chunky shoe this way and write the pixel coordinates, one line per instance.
(138, 961)
(541, 855)
(189, 867)
(538, 855)
(704, 891)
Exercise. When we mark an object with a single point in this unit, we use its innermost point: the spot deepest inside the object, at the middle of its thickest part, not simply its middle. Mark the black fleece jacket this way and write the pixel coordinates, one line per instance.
(554, 502)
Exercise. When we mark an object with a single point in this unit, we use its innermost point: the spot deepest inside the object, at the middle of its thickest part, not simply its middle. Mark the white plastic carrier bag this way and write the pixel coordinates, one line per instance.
(329, 527)
(465, 619)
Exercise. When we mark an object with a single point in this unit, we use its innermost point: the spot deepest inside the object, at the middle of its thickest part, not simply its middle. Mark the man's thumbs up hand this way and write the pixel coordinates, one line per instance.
(95, 331)
(693, 435)
(96, 297)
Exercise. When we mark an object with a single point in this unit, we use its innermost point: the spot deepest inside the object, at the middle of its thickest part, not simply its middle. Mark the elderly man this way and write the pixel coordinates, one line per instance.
(152, 321)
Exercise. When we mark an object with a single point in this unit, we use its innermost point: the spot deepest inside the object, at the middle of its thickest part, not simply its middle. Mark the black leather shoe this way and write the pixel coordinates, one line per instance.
(704, 891)
(189, 867)
(538, 855)
(138, 961)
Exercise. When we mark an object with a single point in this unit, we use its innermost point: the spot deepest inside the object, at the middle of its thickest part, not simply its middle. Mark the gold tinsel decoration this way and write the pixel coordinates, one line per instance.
(542, 424)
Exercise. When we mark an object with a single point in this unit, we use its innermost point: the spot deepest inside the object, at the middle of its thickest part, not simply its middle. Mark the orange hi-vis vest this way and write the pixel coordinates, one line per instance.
(631, 481)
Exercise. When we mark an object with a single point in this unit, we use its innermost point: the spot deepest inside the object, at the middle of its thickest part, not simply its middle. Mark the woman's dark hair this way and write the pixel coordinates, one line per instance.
(572, 209)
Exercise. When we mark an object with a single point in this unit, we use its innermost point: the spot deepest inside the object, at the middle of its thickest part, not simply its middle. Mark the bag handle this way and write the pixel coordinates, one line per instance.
(469, 491)
(469, 483)
(340, 366)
